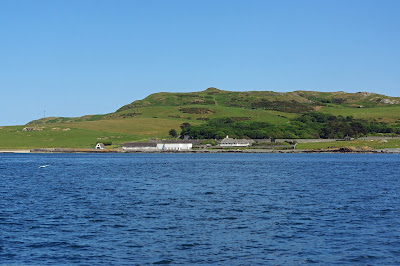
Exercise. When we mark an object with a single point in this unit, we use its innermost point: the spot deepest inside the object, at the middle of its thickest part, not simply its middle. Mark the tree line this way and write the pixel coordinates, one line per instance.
(308, 125)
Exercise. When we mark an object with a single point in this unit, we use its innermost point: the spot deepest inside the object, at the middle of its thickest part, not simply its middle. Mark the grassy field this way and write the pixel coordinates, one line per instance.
(389, 114)
(173, 112)
(372, 144)
(58, 137)
(145, 127)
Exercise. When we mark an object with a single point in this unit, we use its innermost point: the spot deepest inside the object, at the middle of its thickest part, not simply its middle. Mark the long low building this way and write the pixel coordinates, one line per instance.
(139, 146)
(162, 145)
(230, 142)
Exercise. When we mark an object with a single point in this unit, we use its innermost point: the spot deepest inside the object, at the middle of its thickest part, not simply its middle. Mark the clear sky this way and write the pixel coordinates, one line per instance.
(78, 57)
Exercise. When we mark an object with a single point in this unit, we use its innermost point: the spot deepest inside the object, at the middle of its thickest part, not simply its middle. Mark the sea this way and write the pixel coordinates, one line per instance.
(199, 209)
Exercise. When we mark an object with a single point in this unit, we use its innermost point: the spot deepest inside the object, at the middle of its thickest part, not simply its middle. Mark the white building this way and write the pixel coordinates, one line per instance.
(230, 142)
(140, 146)
(100, 146)
(163, 145)
(172, 145)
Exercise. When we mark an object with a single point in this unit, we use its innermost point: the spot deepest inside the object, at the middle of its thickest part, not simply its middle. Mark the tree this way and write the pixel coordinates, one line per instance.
(185, 125)
(219, 134)
(173, 133)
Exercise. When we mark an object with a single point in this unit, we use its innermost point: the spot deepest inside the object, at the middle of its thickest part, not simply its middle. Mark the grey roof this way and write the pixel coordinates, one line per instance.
(231, 140)
(175, 141)
(140, 144)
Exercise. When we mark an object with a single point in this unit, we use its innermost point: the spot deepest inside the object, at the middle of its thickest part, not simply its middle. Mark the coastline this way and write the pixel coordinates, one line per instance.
(15, 151)
(70, 150)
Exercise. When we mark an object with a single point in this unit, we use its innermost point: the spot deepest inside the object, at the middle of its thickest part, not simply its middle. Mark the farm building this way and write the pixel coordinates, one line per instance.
(100, 146)
(175, 145)
(348, 138)
(161, 145)
(230, 142)
(140, 146)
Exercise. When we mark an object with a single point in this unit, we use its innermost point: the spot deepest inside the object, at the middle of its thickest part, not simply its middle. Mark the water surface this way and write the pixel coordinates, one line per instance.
(124, 209)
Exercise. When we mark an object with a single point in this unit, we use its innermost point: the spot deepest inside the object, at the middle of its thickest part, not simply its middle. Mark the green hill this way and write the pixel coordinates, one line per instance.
(264, 99)
(155, 115)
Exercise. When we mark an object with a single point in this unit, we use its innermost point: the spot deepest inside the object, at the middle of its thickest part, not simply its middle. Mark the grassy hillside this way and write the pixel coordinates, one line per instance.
(56, 137)
(292, 102)
(358, 144)
(155, 115)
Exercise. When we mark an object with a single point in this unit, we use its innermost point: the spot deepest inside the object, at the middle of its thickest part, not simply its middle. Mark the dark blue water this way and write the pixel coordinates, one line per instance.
(126, 209)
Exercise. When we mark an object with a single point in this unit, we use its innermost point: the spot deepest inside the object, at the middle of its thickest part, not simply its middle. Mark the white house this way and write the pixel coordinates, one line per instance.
(100, 146)
(230, 142)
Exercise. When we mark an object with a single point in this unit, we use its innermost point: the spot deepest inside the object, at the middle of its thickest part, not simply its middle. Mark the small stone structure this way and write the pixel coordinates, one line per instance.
(100, 146)
(31, 129)
(348, 138)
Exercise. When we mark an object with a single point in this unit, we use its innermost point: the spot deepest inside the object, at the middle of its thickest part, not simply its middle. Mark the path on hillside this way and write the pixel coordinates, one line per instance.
(215, 100)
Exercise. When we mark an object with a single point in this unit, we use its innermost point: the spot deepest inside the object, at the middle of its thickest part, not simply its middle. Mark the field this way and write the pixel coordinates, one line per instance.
(57, 137)
(360, 144)
(388, 114)
(174, 113)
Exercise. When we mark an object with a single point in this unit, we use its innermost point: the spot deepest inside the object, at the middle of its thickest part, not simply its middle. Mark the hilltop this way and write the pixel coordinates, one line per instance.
(287, 102)
(155, 115)
(208, 103)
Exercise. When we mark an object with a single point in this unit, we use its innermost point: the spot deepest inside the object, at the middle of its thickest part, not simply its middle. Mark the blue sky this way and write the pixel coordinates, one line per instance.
(73, 58)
